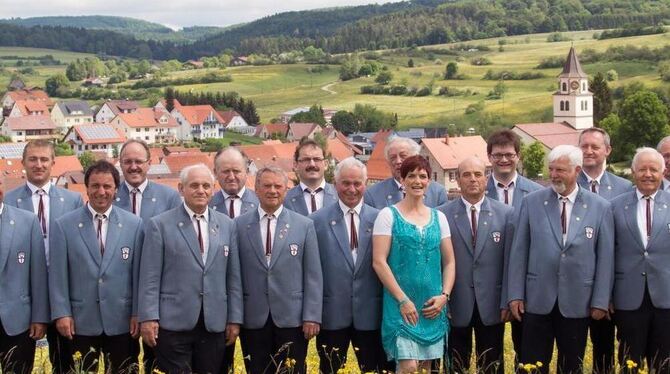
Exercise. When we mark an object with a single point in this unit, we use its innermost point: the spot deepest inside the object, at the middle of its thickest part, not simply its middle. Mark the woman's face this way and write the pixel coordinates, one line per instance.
(416, 182)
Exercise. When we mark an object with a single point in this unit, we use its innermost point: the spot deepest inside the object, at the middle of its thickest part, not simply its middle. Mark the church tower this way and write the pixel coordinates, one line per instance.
(573, 102)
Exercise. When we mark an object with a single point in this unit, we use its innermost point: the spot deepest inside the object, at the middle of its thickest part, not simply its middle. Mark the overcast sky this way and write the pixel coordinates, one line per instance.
(173, 13)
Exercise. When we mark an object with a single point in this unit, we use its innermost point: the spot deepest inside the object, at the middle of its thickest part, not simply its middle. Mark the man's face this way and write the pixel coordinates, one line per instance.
(271, 190)
(197, 190)
(311, 165)
(472, 179)
(665, 151)
(397, 153)
(134, 164)
(350, 186)
(563, 176)
(594, 149)
(648, 174)
(503, 158)
(101, 191)
(231, 172)
(38, 163)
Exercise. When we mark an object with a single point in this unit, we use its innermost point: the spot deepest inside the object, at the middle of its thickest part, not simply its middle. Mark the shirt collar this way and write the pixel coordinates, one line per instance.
(2, 208)
(572, 196)
(346, 209)
(477, 205)
(33, 188)
(640, 195)
(192, 213)
(93, 212)
(322, 186)
(239, 194)
(589, 179)
(398, 184)
(141, 187)
(262, 213)
(513, 180)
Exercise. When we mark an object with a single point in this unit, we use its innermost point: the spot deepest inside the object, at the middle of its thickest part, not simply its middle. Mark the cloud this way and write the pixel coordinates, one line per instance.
(171, 12)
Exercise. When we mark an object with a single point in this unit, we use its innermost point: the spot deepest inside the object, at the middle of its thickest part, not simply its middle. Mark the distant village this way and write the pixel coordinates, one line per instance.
(29, 113)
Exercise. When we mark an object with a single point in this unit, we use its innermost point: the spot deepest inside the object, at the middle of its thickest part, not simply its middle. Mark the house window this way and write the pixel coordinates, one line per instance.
(581, 104)
(452, 176)
(562, 105)
(565, 86)
(146, 138)
(435, 176)
(586, 105)
(567, 105)
(79, 147)
(137, 130)
(146, 129)
(584, 86)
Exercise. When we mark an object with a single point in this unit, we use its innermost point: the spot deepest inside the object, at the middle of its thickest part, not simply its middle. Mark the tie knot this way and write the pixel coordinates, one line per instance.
(199, 216)
(270, 217)
(40, 192)
(352, 211)
(135, 190)
(647, 197)
(233, 197)
(473, 208)
(100, 217)
(316, 191)
(594, 182)
(563, 199)
(505, 187)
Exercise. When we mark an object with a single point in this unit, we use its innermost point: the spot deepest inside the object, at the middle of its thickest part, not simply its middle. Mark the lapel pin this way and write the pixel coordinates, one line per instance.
(294, 249)
(455, 215)
(589, 232)
(62, 200)
(125, 253)
(252, 205)
(389, 197)
(81, 225)
(118, 199)
(577, 218)
(584, 206)
(625, 207)
(546, 202)
(153, 199)
(485, 223)
(287, 226)
(120, 224)
(11, 222)
(18, 200)
(368, 230)
(490, 214)
(293, 199)
(333, 223)
(665, 206)
(226, 250)
(214, 207)
(496, 236)
(181, 224)
(21, 257)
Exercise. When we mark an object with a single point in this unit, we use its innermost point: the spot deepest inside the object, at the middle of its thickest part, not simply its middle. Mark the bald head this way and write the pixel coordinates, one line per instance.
(472, 179)
(230, 167)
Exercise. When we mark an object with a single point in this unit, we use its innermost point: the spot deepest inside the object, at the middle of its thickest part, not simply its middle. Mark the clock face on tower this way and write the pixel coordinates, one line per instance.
(574, 85)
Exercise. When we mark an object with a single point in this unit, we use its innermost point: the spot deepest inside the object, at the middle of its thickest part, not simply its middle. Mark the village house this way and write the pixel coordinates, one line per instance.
(233, 121)
(11, 97)
(112, 108)
(444, 155)
(297, 131)
(27, 128)
(149, 124)
(70, 113)
(271, 131)
(198, 122)
(96, 137)
(28, 108)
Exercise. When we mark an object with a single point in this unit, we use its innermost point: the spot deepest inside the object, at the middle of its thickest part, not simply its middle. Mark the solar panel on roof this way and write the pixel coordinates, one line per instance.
(11, 150)
(98, 132)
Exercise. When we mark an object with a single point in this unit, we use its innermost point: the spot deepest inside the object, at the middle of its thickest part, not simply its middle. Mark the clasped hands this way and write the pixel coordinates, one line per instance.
(431, 309)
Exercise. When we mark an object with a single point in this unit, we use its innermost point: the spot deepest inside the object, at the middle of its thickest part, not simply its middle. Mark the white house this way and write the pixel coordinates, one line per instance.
(28, 108)
(70, 113)
(112, 108)
(95, 137)
(152, 125)
(27, 128)
(233, 121)
(198, 122)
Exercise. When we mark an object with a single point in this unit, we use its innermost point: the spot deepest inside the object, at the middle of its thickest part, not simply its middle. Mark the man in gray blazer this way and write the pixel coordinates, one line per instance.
(641, 294)
(595, 145)
(38, 195)
(137, 194)
(663, 148)
(481, 233)
(190, 290)
(234, 199)
(93, 274)
(351, 289)
(561, 265)
(389, 191)
(24, 311)
(281, 277)
(509, 187)
(313, 193)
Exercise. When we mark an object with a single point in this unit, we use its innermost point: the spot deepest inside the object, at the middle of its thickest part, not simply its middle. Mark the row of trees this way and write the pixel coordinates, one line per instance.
(220, 101)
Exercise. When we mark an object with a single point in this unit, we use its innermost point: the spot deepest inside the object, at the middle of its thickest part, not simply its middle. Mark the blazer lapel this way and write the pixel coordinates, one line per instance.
(213, 248)
(56, 202)
(329, 195)
(298, 201)
(364, 236)
(186, 228)
(660, 220)
(339, 228)
(554, 215)
(114, 227)
(148, 204)
(577, 216)
(247, 203)
(462, 219)
(280, 236)
(483, 227)
(89, 236)
(491, 191)
(255, 240)
(7, 226)
(631, 219)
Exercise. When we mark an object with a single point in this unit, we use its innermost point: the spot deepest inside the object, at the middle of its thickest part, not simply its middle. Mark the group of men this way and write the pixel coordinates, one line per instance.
(188, 274)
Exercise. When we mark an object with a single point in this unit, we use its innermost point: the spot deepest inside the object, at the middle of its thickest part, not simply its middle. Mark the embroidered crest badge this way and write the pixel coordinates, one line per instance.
(496, 236)
(589, 232)
(21, 257)
(125, 253)
(294, 249)
(226, 250)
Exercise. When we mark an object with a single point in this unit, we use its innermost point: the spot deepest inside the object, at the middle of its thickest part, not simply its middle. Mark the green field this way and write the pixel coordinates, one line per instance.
(278, 88)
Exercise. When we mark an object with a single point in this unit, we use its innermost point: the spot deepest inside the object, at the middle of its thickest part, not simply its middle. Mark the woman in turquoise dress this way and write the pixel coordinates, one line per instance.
(414, 259)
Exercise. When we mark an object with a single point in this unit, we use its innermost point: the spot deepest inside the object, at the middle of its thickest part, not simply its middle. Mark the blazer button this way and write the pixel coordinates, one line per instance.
(100, 280)
(202, 294)
(97, 301)
(563, 255)
(646, 253)
(644, 274)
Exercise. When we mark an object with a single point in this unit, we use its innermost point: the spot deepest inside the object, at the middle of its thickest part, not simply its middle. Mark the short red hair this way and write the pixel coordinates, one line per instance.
(412, 163)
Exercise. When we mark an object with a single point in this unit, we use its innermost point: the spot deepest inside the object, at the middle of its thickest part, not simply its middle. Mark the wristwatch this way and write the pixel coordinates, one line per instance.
(446, 295)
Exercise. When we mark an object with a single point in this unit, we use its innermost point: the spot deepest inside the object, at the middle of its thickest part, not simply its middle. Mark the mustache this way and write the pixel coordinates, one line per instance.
(312, 168)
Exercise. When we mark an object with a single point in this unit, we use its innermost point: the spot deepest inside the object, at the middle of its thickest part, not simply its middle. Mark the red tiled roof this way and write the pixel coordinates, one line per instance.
(31, 94)
(66, 164)
(197, 114)
(27, 107)
(11, 168)
(381, 135)
(378, 168)
(40, 122)
(338, 150)
(156, 155)
(228, 116)
(301, 129)
(448, 156)
(177, 162)
(280, 155)
(272, 128)
(179, 149)
(550, 134)
(147, 117)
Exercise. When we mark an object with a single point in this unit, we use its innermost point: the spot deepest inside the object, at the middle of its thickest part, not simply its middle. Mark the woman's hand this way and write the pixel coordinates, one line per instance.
(433, 307)
(408, 312)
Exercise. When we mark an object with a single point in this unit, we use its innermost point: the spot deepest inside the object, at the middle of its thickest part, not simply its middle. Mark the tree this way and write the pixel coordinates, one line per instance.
(87, 158)
(313, 55)
(644, 120)
(344, 122)
(349, 68)
(451, 70)
(63, 149)
(533, 159)
(410, 63)
(612, 75)
(612, 124)
(602, 97)
(384, 77)
(54, 82)
(169, 99)
(75, 71)
(313, 115)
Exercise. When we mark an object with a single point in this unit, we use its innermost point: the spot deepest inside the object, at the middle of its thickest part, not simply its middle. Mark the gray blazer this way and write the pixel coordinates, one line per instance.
(61, 201)
(480, 272)
(175, 284)
(635, 264)
(23, 271)
(386, 193)
(290, 289)
(611, 185)
(156, 199)
(99, 292)
(523, 187)
(295, 199)
(351, 291)
(578, 274)
(249, 202)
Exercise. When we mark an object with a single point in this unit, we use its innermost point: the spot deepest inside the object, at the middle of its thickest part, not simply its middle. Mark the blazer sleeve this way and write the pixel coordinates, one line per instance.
(39, 287)
(604, 279)
(441, 195)
(234, 281)
(137, 258)
(312, 306)
(79, 202)
(518, 257)
(59, 290)
(509, 237)
(151, 267)
(175, 200)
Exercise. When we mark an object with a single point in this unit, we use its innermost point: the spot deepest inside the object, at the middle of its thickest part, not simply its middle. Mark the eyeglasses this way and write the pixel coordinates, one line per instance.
(307, 160)
(133, 162)
(499, 156)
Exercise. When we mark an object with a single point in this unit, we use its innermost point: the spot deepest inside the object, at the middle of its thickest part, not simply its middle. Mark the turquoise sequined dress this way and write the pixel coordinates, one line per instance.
(415, 261)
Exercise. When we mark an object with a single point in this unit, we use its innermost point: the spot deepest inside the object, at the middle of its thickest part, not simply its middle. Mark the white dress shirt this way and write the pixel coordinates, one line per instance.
(642, 215)
(597, 180)
(237, 203)
(511, 186)
(357, 222)
(264, 229)
(204, 230)
(317, 196)
(478, 209)
(105, 222)
(138, 197)
(46, 200)
(568, 209)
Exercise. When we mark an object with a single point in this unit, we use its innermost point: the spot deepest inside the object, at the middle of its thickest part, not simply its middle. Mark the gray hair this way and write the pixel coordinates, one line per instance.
(270, 169)
(606, 136)
(648, 151)
(573, 153)
(414, 147)
(234, 150)
(351, 163)
(663, 141)
(183, 175)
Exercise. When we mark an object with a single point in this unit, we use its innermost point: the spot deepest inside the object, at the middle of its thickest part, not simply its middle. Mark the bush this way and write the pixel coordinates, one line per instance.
(474, 108)
(551, 63)
(213, 77)
(557, 37)
(612, 75)
(425, 91)
(512, 75)
(479, 61)
(398, 90)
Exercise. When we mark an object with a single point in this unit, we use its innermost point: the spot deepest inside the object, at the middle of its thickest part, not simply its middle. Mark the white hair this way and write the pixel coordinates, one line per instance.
(414, 147)
(663, 141)
(351, 163)
(573, 153)
(183, 176)
(648, 151)
(270, 169)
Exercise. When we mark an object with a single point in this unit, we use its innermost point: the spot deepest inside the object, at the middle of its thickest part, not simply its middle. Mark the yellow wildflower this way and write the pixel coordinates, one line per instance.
(156, 371)
(538, 364)
(77, 356)
(631, 364)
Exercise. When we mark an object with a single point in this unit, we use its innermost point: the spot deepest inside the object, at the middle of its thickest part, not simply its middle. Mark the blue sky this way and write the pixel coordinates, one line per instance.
(173, 13)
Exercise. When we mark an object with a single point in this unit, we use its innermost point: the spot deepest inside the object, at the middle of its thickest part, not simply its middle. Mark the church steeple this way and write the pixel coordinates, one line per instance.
(573, 102)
